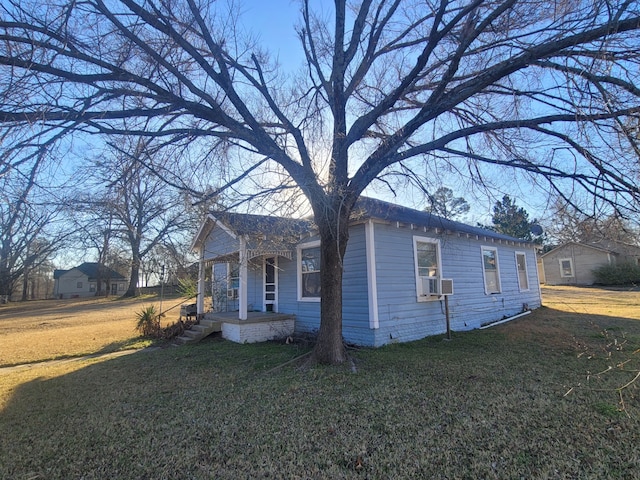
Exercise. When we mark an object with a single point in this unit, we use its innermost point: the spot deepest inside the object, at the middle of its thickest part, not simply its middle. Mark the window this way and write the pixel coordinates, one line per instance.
(121, 287)
(566, 267)
(426, 252)
(521, 265)
(491, 270)
(233, 280)
(309, 272)
(79, 285)
(92, 287)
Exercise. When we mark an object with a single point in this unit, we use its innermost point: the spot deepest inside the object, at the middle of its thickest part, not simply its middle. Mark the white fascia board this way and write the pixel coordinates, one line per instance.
(209, 223)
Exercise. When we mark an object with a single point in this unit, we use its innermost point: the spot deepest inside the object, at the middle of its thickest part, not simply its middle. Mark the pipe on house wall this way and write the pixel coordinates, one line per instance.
(506, 319)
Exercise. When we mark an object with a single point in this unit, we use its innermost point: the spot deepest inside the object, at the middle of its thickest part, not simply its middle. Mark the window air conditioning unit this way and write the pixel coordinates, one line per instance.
(446, 286)
(430, 286)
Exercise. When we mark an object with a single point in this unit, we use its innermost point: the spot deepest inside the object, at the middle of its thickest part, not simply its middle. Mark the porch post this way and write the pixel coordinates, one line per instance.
(242, 291)
(200, 298)
(372, 281)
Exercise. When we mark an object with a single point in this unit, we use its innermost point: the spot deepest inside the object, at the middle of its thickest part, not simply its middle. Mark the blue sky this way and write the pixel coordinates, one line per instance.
(274, 22)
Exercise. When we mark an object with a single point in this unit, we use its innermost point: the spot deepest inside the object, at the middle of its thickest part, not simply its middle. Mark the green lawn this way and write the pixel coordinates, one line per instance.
(515, 401)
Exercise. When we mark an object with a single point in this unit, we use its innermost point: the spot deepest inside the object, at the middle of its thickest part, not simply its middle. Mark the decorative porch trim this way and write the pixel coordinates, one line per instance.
(253, 253)
(234, 257)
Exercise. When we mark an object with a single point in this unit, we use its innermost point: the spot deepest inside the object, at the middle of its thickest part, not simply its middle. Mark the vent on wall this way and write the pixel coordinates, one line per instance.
(446, 286)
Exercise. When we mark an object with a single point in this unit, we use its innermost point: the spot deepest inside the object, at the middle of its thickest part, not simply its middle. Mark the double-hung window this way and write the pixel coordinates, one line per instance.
(521, 265)
(566, 267)
(309, 272)
(491, 270)
(426, 252)
(233, 280)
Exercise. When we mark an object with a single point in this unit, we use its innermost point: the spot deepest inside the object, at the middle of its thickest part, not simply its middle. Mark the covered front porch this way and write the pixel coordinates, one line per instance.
(247, 257)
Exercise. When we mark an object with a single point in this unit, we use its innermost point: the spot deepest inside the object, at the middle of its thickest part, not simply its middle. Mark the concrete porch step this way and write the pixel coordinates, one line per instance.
(198, 332)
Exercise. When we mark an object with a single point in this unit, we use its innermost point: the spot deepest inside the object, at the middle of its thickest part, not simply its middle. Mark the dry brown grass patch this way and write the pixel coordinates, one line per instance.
(49, 329)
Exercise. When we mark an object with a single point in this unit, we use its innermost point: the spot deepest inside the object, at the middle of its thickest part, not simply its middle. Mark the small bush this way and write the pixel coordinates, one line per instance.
(149, 322)
(619, 274)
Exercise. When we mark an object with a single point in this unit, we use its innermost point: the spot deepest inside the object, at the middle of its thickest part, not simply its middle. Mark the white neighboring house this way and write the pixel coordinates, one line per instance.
(82, 281)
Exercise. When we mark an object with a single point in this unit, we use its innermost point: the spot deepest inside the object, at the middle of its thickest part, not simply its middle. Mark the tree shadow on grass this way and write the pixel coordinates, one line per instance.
(489, 404)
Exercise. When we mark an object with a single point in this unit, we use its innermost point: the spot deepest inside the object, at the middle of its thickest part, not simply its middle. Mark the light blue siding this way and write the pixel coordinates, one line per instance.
(255, 286)
(355, 308)
(403, 318)
(219, 243)
(307, 313)
(355, 299)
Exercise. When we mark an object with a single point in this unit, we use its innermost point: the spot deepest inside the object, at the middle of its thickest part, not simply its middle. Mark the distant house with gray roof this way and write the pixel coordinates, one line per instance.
(82, 281)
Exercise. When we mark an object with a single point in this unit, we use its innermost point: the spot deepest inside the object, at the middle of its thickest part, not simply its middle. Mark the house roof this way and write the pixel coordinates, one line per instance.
(373, 208)
(90, 269)
(365, 208)
(249, 224)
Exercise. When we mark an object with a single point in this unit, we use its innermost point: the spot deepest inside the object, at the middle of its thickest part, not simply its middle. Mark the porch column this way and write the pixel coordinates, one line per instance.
(372, 280)
(200, 298)
(242, 291)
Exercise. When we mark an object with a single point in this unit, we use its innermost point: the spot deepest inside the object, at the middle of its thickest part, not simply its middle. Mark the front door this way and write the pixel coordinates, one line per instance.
(271, 284)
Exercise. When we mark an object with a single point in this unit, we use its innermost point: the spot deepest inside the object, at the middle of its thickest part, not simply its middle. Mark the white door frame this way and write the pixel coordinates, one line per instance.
(272, 286)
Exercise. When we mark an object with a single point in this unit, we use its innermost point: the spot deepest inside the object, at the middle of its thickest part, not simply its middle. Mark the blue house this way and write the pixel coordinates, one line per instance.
(400, 269)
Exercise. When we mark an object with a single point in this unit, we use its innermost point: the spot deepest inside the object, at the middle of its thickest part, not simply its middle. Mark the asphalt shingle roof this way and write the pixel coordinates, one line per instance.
(90, 269)
(365, 208)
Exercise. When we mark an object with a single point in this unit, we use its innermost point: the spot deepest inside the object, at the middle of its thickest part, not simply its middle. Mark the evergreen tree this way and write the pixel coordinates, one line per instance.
(444, 204)
(512, 220)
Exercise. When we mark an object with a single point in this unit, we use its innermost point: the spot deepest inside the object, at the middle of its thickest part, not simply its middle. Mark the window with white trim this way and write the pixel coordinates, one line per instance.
(233, 280)
(491, 270)
(309, 271)
(426, 253)
(521, 266)
(566, 267)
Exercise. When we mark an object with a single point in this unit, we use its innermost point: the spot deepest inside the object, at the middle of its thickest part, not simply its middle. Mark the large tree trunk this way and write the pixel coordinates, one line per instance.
(25, 284)
(6, 282)
(334, 234)
(132, 291)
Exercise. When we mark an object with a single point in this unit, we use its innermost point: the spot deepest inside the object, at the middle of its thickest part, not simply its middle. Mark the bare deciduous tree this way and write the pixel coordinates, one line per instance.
(387, 85)
(143, 211)
(30, 228)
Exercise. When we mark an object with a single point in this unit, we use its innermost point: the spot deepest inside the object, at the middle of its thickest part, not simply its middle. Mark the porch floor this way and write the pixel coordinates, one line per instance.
(252, 317)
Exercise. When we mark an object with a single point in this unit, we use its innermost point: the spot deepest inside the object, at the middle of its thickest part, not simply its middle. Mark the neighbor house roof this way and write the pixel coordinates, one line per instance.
(91, 269)
(587, 245)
